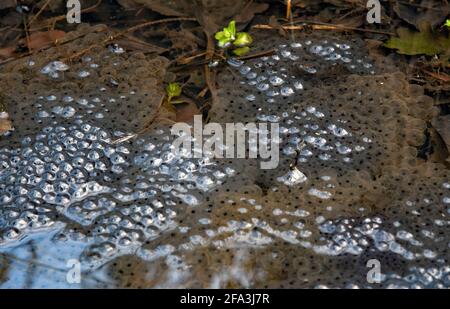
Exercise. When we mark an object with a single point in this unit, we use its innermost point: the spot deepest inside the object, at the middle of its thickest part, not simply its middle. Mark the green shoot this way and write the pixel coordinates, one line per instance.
(447, 23)
(229, 37)
(173, 90)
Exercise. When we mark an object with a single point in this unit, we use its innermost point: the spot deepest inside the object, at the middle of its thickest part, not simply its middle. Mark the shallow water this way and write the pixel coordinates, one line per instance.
(135, 215)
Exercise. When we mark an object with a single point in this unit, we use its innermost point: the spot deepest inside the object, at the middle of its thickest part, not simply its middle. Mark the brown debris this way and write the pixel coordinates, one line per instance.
(442, 126)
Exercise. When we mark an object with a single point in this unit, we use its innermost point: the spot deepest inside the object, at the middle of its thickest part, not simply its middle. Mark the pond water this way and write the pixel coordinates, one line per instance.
(88, 200)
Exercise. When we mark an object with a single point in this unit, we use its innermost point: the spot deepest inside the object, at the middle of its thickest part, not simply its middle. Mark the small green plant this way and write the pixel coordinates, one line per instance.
(240, 41)
(447, 23)
(173, 90)
(227, 36)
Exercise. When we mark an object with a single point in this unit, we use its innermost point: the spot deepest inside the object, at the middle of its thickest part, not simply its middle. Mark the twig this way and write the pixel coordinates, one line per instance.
(288, 9)
(257, 55)
(63, 17)
(26, 33)
(343, 27)
(186, 60)
(45, 48)
(321, 26)
(418, 6)
(132, 29)
(39, 13)
(210, 76)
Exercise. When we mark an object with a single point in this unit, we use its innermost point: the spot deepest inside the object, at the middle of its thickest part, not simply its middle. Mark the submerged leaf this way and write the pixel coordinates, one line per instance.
(241, 51)
(442, 126)
(5, 125)
(243, 39)
(431, 12)
(416, 43)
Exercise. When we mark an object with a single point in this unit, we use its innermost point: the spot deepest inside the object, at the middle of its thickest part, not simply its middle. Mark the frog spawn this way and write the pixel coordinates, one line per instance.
(299, 234)
(59, 169)
(74, 170)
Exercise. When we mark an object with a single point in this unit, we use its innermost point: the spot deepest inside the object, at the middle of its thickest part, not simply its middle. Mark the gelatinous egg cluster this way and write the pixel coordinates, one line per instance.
(70, 161)
(82, 178)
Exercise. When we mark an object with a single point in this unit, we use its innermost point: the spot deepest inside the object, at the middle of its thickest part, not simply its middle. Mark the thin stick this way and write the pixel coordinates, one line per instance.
(316, 27)
(63, 17)
(419, 6)
(210, 77)
(288, 9)
(323, 27)
(318, 23)
(39, 13)
(134, 28)
(55, 43)
(186, 60)
(257, 55)
(26, 33)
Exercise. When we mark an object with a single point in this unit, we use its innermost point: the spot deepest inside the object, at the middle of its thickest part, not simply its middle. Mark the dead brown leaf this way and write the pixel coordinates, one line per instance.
(5, 125)
(187, 111)
(40, 40)
(431, 11)
(442, 126)
(216, 13)
(250, 10)
(132, 43)
(36, 41)
(127, 4)
(7, 52)
(440, 76)
(6, 4)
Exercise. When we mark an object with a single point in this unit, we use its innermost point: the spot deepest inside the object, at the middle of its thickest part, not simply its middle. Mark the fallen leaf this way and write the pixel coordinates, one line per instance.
(440, 152)
(132, 43)
(442, 126)
(127, 4)
(36, 41)
(6, 4)
(40, 40)
(416, 43)
(441, 76)
(7, 52)
(5, 125)
(250, 10)
(183, 39)
(430, 11)
(165, 7)
(217, 13)
(186, 112)
(55, 6)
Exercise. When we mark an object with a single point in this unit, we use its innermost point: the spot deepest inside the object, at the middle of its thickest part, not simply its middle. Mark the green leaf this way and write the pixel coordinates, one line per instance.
(417, 43)
(173, 90)
(224, 43)
(227, 35)
(231, 29)
(243, 39)
(447, 23)
(241, 51)
(221, 35)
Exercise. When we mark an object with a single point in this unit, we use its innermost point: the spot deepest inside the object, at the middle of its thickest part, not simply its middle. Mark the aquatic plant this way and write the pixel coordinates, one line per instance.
(173, 90)
(447, 23)
(228, 37)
